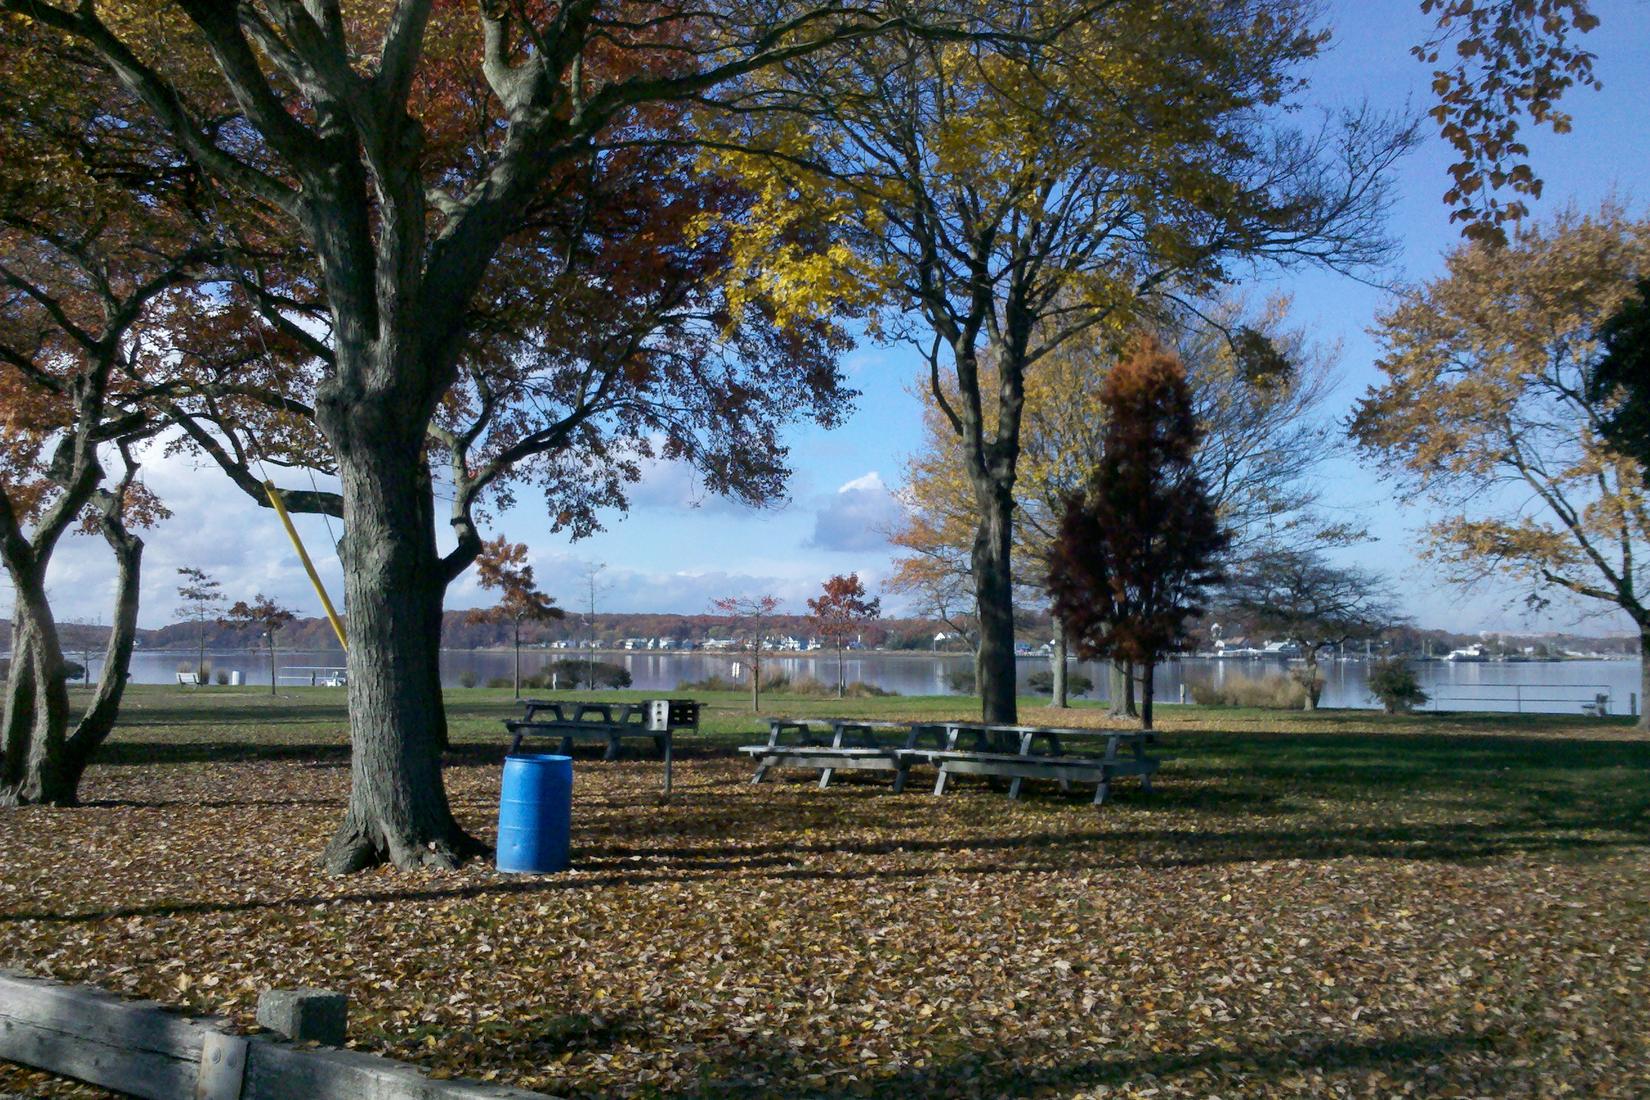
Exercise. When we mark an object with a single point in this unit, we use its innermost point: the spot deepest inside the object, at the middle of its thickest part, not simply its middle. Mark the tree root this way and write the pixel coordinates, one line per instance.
(356, 847)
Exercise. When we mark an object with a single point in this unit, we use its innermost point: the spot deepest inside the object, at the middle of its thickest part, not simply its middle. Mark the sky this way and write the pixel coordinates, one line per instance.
(679, 547)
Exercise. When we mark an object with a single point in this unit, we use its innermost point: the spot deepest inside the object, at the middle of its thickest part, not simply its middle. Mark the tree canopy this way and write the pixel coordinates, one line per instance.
(1485, 411)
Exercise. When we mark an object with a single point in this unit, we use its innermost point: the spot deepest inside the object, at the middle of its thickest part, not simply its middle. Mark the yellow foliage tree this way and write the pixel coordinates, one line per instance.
(1257, 384)
(1485, 408)
(990, 199)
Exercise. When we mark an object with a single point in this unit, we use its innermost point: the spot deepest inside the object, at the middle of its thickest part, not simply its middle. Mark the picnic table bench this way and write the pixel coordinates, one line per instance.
(850, 744)
(1012, 752)
(570, 720)
(1016, 753)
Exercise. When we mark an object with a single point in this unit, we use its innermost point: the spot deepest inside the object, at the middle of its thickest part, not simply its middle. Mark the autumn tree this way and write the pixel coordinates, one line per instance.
(994, 199)
(1485, 413)
(503, 565)
(267, 617)
(410, 161)
(1299, 595)
(200, 596)
(748, 618)
(1137, 546)
(1258, 384)
(1621, 381)
(84, 266)
(1500, 63)
(839, 612)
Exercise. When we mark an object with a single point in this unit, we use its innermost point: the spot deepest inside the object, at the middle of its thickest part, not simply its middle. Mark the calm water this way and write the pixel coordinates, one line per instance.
(1559, 686)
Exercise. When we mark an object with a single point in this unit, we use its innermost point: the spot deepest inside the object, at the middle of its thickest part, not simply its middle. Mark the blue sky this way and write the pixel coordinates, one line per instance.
(679, 548)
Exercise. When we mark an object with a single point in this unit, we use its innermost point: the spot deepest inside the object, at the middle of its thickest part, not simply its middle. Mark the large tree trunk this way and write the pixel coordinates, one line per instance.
(1122, 691)
(1148, 691)
(36, 713)
(1058, 666)
(393, 582)
(994, 671)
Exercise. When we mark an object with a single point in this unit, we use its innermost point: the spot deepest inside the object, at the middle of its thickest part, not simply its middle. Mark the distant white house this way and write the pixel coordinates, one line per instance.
(1474, 652)
(1281, 649)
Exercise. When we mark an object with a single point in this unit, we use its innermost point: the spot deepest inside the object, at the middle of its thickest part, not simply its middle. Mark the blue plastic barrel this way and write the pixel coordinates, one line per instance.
(535, 813)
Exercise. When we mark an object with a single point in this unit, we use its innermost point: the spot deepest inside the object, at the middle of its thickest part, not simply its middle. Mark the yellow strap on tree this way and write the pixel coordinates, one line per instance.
(309, 566)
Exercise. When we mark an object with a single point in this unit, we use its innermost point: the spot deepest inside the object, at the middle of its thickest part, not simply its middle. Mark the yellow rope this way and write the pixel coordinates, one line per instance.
(309, 566)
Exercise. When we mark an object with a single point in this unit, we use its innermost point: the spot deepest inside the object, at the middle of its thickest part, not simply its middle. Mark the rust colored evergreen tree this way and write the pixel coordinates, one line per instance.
(1137, 545)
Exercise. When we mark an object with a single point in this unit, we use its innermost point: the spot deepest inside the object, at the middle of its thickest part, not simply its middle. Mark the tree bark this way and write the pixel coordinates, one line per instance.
(1309, 677)
(994, 671)
(1061, 693)
(98, 720)
(1122, 691)
(1148, 692)
(36, 713)
(393, 582)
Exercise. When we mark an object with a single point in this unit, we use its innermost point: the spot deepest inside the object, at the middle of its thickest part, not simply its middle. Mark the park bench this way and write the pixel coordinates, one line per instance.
(1012, 752)
(570, 720)
(850, 745)
(189, 679)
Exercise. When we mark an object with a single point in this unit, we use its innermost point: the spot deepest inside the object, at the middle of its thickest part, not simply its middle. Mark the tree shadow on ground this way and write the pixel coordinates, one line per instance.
(1408, 1061)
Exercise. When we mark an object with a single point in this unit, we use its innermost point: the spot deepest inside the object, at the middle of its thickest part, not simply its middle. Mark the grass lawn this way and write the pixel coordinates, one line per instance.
(1332, 904)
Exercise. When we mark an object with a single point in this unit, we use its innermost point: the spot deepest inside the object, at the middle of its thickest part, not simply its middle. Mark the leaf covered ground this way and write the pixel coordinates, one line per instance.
(1357, 907)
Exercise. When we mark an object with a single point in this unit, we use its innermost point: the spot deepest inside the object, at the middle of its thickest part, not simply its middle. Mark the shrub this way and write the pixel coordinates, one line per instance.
(961, 681)
(500, 682)
(1274, 691)
(572, 673)
(1042, 682)
(74, 670)
(776, 681)
(222, 677)
(467, 679)
(861, 690)
(1393, 684)
(713, 682)
(811, 685)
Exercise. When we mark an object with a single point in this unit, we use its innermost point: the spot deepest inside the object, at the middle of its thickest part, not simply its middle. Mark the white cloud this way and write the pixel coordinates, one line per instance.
(857, 517)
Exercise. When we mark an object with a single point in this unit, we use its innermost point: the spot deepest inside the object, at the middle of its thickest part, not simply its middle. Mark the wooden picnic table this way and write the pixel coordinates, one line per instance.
(1018, 753)
(1015, 753)
(568, 719)
(830, 744)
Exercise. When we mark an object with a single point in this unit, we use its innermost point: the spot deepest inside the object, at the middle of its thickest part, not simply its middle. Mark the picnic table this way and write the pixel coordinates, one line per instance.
(829, 744)
(1016, 753)
(570, 719)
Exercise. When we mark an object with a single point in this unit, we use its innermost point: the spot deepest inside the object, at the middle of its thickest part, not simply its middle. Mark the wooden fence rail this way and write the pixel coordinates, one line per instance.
(142, 1049)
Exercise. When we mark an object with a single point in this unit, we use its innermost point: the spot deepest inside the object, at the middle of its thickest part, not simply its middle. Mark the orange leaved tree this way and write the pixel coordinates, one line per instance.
(1137, 546)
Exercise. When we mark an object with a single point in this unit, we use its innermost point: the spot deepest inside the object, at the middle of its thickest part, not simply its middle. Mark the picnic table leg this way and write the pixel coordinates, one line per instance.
(761, 770)
(902, 772)
(1102, 790)
(566, 748)
(669, 759)
(1014, 787)
(825, 777)
(939, 784)
(612, 752)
